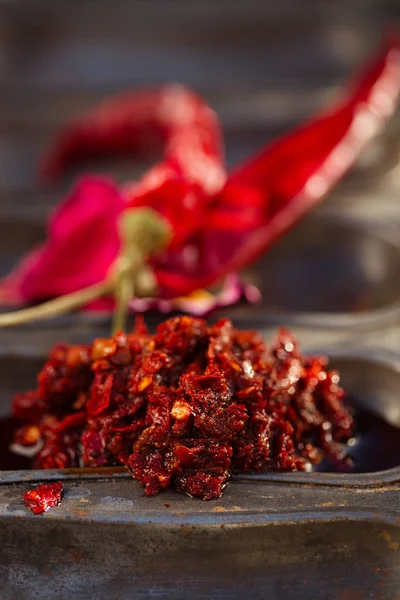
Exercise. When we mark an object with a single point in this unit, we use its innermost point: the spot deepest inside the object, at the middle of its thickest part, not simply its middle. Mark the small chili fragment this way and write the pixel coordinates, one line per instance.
(43, 497)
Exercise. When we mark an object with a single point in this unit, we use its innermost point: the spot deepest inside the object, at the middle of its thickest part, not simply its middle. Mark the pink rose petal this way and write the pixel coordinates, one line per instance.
(201, 303)
(82, 244)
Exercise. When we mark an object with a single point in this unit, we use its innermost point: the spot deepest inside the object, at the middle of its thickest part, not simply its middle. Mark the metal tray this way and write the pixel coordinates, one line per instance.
(330, 270)
(334, 281)
(278, 535)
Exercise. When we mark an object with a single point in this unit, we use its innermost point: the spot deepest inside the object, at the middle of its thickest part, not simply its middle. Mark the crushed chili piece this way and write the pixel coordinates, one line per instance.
(43, 497)
(188, 406)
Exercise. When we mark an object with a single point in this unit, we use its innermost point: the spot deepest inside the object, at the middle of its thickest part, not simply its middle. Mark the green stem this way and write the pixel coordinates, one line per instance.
(142, 232)
(58, 306)
(124, 290)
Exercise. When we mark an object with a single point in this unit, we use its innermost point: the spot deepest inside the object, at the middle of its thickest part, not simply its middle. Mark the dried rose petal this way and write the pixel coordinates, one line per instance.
(201, 302)
(82, 244)
(43, 497)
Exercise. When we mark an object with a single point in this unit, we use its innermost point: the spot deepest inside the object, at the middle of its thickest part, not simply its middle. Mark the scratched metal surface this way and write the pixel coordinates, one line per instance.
(279, 536)
(264, 66)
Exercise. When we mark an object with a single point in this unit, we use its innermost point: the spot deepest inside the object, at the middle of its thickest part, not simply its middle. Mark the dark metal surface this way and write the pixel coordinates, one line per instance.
(275, 535)
(334, 271)
(335, 281)
(245, 547)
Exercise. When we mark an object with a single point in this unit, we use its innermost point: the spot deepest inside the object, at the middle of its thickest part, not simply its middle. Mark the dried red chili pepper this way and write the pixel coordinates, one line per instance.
(193, 166)
(188, 406)
(224, 230)
(43, 497)
(135, 121)
(83, 234)
(269, 192)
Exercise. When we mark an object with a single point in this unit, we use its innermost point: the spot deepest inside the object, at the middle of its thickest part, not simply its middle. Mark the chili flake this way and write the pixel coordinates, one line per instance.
(43, 497)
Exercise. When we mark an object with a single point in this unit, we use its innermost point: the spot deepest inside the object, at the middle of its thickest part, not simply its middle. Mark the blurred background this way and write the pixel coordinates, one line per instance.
(263, 65)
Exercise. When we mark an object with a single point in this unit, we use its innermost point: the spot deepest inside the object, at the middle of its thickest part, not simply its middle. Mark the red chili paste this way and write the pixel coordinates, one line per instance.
(186, 407)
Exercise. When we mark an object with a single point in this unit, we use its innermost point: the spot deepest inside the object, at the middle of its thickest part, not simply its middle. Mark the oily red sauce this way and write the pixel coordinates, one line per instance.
(186, 407)
(376, 445)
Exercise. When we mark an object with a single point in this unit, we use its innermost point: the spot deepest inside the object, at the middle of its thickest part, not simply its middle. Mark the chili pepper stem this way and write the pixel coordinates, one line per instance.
(124, 291)
(120, 311)
(58, 306)
(142, 232)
